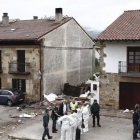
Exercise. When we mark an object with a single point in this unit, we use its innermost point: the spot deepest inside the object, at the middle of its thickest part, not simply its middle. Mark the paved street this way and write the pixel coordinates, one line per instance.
(112, 129)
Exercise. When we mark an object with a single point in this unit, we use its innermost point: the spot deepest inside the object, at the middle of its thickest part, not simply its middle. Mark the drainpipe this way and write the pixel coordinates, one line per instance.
(93, 60)
(41, 45)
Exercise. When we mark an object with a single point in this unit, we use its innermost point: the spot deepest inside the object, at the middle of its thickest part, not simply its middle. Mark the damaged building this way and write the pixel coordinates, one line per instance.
(38, 56)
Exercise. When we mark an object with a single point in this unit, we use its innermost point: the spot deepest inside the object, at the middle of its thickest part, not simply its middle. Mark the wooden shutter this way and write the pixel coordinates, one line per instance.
(14, 83)
(23, 85)
(0, 61)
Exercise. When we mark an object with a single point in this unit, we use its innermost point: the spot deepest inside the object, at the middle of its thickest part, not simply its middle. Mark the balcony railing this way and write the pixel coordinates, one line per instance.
(19, 68)
(128, 69)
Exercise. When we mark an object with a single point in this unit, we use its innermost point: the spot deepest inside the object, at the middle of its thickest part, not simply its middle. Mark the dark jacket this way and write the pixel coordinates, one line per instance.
(135, 118)
(45, 120)
(55, 114)
(61, 109)
(95, 108)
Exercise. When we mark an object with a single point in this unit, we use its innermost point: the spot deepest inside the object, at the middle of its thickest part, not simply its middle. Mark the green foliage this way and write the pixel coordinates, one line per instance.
(98, 43)
(97, 62)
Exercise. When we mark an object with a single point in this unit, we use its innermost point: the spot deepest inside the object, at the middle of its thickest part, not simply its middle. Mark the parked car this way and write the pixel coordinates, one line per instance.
(11, 96)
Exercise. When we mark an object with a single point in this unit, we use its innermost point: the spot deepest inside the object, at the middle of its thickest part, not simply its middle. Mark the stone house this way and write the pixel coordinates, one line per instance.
(38, 56)
(120, 62)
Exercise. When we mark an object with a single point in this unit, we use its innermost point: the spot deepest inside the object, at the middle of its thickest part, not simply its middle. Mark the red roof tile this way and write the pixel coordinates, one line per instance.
(125, 27)
(29, 29)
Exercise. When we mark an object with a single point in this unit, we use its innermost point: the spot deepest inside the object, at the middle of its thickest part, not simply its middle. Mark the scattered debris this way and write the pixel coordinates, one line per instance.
(126, 111)
(50, 97)
(19, 108)
(28, 116)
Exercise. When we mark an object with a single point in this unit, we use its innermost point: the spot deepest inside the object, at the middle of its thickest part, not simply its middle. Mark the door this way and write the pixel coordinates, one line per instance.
(133, 59)
(21, 60)
(4, 96)
(129, 95)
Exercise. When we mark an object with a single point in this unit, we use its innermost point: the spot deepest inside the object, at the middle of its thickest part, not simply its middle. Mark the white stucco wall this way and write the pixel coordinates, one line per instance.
(116, 51)
(71, 66)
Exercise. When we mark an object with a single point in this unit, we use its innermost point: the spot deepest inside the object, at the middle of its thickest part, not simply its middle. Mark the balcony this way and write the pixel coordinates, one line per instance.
(19, 68)
(130, 69)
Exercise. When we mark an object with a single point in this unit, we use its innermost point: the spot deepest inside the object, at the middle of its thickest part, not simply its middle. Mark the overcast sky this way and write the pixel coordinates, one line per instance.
(96, 14)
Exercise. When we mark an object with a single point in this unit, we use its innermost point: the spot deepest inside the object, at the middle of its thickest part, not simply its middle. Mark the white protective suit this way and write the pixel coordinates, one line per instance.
(79, 113)
(85, 117)
(74, 126)
(65, 122)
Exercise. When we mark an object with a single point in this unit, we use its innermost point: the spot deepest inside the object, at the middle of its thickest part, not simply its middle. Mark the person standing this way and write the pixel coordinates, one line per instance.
(45, 124)
(85, 113)
(135, 123)
(63, 108)
(95, 110)
(65, 123)
(54, 117)
(74, 126)
(73, 105)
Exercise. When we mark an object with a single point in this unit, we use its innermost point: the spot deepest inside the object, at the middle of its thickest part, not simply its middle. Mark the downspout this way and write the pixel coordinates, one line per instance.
(41, 45)
(40, 70)
(93, 60)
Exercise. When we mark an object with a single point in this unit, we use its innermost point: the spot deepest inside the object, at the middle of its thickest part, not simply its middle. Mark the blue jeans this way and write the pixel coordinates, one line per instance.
(135, 131)
(54, 126)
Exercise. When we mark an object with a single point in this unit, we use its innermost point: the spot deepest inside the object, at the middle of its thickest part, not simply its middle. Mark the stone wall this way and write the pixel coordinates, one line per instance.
(109, 85)
(109, 91)
(9, 54)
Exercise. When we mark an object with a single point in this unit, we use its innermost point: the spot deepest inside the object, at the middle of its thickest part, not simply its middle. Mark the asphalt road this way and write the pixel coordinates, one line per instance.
(112, 129)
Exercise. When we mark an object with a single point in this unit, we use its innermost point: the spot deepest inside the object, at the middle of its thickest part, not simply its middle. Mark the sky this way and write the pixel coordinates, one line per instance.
(95, 14)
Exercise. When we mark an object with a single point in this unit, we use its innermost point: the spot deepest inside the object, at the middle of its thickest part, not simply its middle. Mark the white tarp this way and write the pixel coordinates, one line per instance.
(50, 97)
(84, 95)
(26, 116)
(127, 110)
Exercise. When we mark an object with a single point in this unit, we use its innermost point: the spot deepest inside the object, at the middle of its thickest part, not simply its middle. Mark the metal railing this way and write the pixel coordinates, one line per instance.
(125, 68)
(19, 67)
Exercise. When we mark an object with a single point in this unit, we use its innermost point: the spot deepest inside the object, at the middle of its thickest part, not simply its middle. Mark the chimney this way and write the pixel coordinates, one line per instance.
(35, 17)
(5, 19)
(58, 15)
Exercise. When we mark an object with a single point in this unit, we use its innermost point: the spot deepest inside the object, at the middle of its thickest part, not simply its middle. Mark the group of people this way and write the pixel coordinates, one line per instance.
(75, 123)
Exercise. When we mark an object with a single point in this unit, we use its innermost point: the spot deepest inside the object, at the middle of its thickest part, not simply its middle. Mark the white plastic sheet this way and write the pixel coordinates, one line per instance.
(85, 95)
(26, 116)
(127, 110)
(50, 97)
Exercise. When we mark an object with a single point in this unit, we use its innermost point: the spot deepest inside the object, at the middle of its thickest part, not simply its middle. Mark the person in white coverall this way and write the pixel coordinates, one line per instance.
(74, 126)
(79, 113)
(65, 122)
(85, 113)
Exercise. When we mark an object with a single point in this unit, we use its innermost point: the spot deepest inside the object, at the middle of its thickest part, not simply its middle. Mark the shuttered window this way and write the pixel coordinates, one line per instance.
(19, 84)
(0, 62)
(0, 83)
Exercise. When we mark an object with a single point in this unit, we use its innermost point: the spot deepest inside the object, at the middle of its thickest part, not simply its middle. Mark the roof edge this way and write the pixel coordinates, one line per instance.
(84, 31)
(116, 40)
(54, 28)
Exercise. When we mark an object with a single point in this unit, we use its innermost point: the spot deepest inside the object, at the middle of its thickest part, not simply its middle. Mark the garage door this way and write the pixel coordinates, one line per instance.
(129, 95)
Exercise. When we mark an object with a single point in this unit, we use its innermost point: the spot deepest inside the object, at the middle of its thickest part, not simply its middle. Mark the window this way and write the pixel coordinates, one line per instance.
(0, 62)
(133, 59)
(0, 83)
(94, 87)
(19, 84)
(4, 92)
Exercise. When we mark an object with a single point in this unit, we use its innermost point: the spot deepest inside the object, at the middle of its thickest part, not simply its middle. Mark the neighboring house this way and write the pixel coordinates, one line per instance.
(38, 56)
(120, 62)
